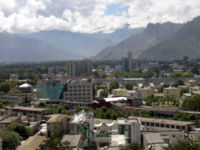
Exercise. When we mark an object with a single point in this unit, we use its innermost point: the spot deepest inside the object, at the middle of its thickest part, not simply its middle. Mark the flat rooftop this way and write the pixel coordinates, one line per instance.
(27, 108)
(74, 140)
(153, 138)
(9, 119)
(165, 121)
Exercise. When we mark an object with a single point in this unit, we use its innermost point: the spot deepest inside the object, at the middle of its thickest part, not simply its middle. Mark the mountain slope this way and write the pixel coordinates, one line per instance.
(153, 34)
(82, 44)
(14, 48)
(185, 42)
(57, 45)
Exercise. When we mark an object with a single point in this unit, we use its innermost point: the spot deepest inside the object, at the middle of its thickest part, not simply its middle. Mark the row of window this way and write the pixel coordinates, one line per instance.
(77, 94)
(163, 125)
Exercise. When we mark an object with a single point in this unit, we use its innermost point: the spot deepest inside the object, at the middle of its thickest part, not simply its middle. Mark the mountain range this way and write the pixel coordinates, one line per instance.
(158, 42)
(155, 42)
(57, 45)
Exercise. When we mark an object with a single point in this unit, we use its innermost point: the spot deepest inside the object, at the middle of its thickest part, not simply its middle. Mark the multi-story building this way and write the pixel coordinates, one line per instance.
(146, 92)
(127, 62)
(79, 91)
(82, 123)
(171, 91)
(130, 128)
(78, 67)
(32, 113)
(120, 92)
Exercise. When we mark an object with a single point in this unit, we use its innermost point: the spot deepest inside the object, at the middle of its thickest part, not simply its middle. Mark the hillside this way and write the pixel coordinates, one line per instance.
(57, 45)
(152, 35)
(185, 42)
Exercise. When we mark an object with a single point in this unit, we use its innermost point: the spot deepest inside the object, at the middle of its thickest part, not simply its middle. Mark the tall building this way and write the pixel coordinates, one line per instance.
(78, 67)
(79, 91)
(127, 62)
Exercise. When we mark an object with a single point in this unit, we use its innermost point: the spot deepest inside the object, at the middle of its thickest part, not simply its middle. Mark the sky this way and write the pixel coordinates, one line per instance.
(91, 16)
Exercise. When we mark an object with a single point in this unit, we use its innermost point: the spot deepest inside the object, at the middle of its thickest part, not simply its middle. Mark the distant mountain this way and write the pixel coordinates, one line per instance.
(139, 43)
(14, 48)
(57, 45)
(185, 42)
(84, 45)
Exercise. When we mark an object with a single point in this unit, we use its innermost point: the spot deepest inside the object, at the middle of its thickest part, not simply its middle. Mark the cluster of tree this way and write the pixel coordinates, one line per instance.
(181, 75)
(4, 103)
(13, 134)
(155, 101)
(185, 117)
(29, 71)
(137, 74)
(54, 140)
(191, 103)
(113, 85)
(184, 145)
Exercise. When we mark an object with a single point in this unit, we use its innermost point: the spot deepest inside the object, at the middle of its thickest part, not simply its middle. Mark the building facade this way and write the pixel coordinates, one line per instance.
(78, 67)
(79, 91)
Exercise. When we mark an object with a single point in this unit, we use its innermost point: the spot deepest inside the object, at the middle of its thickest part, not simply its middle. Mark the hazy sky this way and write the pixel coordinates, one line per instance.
(90, 16)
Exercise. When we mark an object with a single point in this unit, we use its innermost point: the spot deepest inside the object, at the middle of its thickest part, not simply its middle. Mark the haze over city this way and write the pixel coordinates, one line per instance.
(99, 75)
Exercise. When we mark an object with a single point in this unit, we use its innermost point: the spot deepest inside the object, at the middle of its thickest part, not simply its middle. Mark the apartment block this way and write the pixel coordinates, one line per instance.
(78, 67)
(79, 91)
(171, 91)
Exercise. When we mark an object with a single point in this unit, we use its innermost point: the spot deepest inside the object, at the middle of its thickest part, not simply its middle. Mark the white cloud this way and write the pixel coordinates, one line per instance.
(89, 15)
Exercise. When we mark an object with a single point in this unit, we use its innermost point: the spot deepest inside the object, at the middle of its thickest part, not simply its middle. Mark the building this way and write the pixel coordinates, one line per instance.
(149, 124)
(131, 129)
(8, 120)
(153, 141)
(82, 124)
(25, 88)
(120, 92)
(49, 90)
(31, 113)
(79, 91)
(33, 143)
(127, 62)
(57, 122)
(78, 67)
(74, 141)
(146, 92)
(172, 91)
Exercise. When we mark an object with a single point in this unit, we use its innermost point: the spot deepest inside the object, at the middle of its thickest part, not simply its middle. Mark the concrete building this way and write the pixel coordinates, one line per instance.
(34, 114)
(127, 62)
(78, 67)
(120, 92)
(8, 120)
(79, 91)
(153, 141)
(74, 141)
(146, 92)
(130, 128)
(149, 124)
(57, 122)
(171, 91)
(82, 124)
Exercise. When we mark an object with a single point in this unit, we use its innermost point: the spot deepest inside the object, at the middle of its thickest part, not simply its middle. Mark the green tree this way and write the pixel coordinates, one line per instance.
(4, 87)
(20, 129)
(103, 94)
(129, 86)
(113, 85)
(10, 139)
(184, 145)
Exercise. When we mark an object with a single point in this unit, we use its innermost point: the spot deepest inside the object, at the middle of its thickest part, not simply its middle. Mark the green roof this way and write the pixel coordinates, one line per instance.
(53, 92)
